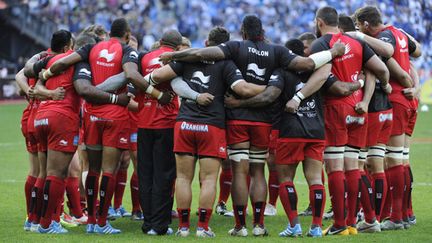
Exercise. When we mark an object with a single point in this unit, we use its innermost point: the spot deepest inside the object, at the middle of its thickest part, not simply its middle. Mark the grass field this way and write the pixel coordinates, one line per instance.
(14, 165)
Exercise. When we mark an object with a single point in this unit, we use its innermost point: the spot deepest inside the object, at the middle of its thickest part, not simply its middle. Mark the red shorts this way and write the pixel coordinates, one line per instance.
(199, 139)
(379, 127)
(290, 151)
(411, 123)
(257, 133)
(56, 131)
(344, 126)
(106, 132)
(402, 117)
(30, 138)
(274, 135)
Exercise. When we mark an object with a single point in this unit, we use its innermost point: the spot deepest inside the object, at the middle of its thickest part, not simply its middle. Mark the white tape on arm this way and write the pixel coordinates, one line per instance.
(321, 58)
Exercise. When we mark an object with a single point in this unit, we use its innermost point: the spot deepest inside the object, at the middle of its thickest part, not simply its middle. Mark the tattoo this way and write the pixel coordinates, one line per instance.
(265, 98)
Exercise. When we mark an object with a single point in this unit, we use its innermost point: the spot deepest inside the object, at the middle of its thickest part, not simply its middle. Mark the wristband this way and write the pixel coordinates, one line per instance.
(149, 89)
(160, 95)
(361, 81)
(360, 35)
(149, 79)
(300, 95)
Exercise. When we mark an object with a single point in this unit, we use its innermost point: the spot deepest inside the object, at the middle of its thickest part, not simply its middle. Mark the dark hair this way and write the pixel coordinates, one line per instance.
(329, 15)
(218, 35)
(346, 23)
(252, 28)
(119, 28)
(171, 38)
(60, 39)
(371, 14)
(84, 39)
(309, 36)
(296, 46)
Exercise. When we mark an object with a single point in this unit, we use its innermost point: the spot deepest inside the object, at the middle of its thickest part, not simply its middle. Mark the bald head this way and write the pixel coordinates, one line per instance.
(171, 38)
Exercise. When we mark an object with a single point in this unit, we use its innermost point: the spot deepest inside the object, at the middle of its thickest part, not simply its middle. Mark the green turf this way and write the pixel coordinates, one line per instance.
(13, 164)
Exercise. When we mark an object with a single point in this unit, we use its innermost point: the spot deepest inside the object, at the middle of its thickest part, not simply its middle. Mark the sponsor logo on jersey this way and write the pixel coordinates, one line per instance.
(41, 122)
(108, 56)
(221, 149)
(85, 72)
(95, 118)
(347, 55)
(155, 61)
(355, 119)
(402, 43)
(258, 52)
(354, 77)
(385, 117)
(385, 39)
(199, 78)
(257, 71)
(123, 140)
(133, 55)
(63, 142)
(318, 196)
(238, 72)
(194, 127)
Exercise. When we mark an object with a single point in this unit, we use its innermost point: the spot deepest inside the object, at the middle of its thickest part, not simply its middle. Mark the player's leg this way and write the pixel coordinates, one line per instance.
(73, 191)
(273, 186)
(185, 167)
(84, 164)
(136, 208)
(225, 179)
(29, 186)
(121, 180)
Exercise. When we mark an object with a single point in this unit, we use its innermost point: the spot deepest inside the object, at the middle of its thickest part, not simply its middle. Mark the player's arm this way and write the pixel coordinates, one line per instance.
(42, 93)
(113, 83)
(382, 48)
(182, 89)
(399, 74)
(340, 88)
(212, 53)
(35, 64)
(414, 47)
(245, 89)
(362, 106)
(413, 92)
(374, 64)
(133, 105)
(22, 82)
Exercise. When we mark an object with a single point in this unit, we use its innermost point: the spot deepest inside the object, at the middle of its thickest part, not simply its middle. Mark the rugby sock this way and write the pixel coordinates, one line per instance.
(121, 179)
(37, 192)
(336, 182)
(73, 194)
(225, 185)
(407, 192)
(380, 190)
(386, 208)
(184, 217)
(410, 209)
(53, 192)
(204, 217)
(83, 201)
(396, 182)
(240, 216)
(367, 199)
(107, 187)
(317, 198)
(135, 193)
(258, 213)
(288, 197)
(92, 189)
(59, 210)
(353, 192)
(273, 187)
(28, 186)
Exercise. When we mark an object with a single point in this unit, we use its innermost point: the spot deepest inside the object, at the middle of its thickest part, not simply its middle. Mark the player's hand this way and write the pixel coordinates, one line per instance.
(166, 57)
(41, 77)
(361, 108)
(132, 96)
(292, 106)
(231, 101)
(338, 49)
(58, 94)
(31, 92)
(123, 99)
(205, 99)
(166, 98)
(42, 54)
(409, 93)
(387, 88)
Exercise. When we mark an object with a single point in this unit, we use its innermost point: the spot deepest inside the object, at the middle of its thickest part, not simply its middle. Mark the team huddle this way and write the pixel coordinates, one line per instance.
(345, 98)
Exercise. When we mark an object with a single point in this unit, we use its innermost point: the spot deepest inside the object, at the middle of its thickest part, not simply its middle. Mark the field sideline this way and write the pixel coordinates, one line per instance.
(14, 166)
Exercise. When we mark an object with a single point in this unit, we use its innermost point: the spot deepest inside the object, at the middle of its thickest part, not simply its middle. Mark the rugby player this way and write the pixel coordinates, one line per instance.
(369, 22)
(345, 119)
(249, 129)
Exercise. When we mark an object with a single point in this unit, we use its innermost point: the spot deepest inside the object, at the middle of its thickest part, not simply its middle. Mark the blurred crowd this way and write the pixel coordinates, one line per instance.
(193, 18)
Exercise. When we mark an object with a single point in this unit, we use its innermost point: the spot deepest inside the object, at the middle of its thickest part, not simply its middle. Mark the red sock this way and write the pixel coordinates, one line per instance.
(336, 182)
(386, 208)
(107, 186)
(258, 212)
(380, 189)
(121, 179)
(240, 216)
(53, 192)
(317, 198)
(353, 189)
(92, 188)
(288, 197)
(396, 181)
(273, 187)
(59, 210)
(225, 185)
(37, 199)
(410, 209)
(83, 201)
(73, 194)
(204, 217)
(407, 192)
(135, 193)
(28, 186)
(184, 217)
(367, 198)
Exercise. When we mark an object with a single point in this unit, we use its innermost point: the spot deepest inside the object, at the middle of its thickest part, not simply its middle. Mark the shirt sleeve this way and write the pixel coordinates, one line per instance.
(321, 44)
(231, 73)
(129, 55)
(285, 56)
(84, 51)
(230, 49)
(367, 52)
(82, 71)
(177, 67)
(387, 36)
(411, 45)
(329, 82)
(277, 79)
(41, 64)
